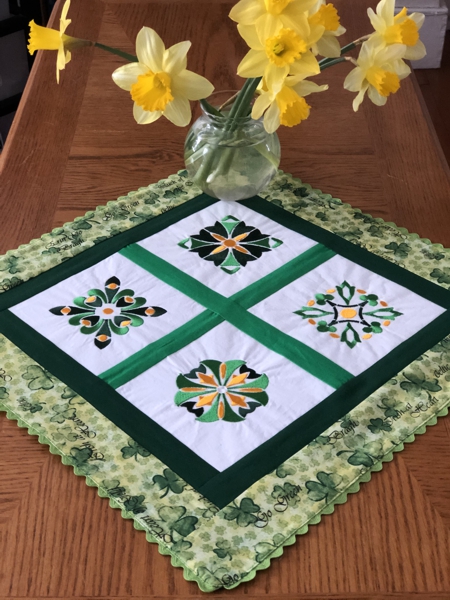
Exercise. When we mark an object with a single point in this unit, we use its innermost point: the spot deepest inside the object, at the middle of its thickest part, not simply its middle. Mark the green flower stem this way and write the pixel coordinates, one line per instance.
(239, 110)
(333, 62)
(345, 49)
(124, 55)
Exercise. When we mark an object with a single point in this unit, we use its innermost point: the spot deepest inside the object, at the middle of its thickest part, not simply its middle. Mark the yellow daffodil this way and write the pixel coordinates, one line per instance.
(44, 38)
(398, 29)
(326, 16)
(283, 50)
(271, 14)
(378, 72)
(159, 82)
(282, 100)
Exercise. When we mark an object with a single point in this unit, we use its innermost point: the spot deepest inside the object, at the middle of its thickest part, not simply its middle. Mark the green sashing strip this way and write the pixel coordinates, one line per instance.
(297, 352)
(138, 363)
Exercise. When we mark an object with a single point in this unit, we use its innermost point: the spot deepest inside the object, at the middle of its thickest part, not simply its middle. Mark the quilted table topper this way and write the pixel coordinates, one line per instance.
(223, 339)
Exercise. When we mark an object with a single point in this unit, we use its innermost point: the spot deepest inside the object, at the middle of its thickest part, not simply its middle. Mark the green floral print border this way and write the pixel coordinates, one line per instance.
(223, 548)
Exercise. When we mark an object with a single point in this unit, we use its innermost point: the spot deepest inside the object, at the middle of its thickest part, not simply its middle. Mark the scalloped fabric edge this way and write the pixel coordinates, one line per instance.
(352, 488)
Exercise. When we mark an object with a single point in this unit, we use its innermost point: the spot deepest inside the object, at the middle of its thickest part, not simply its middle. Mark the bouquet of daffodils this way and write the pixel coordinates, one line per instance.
(285, 39)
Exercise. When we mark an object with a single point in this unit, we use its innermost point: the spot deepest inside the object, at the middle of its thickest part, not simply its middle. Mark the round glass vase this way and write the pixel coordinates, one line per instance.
(230, 160)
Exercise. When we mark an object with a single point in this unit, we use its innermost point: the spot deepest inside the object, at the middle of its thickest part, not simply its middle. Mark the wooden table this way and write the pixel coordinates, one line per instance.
(75, 146)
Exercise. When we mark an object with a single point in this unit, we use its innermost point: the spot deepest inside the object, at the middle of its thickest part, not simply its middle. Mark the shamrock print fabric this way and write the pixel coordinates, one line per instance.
(222, 547)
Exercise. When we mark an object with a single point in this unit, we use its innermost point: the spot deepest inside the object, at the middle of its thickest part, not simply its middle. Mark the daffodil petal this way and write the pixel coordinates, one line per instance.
(376, 21)
(272, 118)
(401, 68)
(253, 64)
(64, 22)
(376, 98)
(250, 36)
(307, 64)
(392, 52)
(294, 17)
(247, 11)
(360, 97)
(328, 46)
(267, 26)
(274, 77)
(191, 86)
(175, 59)
(127, 75)
(61, 58)
(304, 88)
(150, 49)
(260, 105)
(418, 19)
(385, 10)
(354, 80)
(178, 112)
(316, 33)
(65, 9)
(144, 117)
(416, 52)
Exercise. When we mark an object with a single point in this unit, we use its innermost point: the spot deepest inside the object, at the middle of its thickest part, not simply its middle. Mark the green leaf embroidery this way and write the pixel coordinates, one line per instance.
(350, 336)
(346, 291)
(400, 250)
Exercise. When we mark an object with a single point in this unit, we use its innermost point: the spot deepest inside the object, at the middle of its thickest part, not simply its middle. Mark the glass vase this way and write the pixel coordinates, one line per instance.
(230, 160)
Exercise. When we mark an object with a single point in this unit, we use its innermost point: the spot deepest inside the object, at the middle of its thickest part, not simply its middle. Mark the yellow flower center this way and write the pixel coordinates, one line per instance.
(327, 16)
(384, 82)
(348, 313)
(43, 38)
(276, 7)
(152, 91)
(285, 47)
(293, 108)
(403, 32)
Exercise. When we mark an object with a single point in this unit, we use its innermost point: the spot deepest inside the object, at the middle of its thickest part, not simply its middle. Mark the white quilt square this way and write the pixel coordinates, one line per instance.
(239, 247)
(224, 394)
(341, 327)
(147, 310)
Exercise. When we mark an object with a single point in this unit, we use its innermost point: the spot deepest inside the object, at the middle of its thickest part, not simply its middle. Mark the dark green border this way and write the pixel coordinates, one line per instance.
(222, 487)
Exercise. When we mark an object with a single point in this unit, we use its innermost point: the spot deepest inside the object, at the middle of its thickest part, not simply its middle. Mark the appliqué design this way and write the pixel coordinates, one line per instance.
(108, 311)
(347, 317)
(230, 244)
(226, 391)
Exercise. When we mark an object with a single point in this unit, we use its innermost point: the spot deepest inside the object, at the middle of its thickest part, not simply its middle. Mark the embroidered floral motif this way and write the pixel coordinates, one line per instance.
(108, 311)
(230, 244)
(347, 317)
(226, 391)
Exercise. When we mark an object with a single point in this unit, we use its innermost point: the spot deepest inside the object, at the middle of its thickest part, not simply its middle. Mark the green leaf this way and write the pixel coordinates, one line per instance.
(325, 488)
(442, 275)
(378, 425)
(346, 291)
(323, 298)
(176, 521)
(388, 313)
(311, 312)
(133, 449)
(400, 251)
(285, 469)
(3, 393)
(135, 504)
(169, 481)
(38, 378)
(63, 412)
(244, 514)
(350, 336)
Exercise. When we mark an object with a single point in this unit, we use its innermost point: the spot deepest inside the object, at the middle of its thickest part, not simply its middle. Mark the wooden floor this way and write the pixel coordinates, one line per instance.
(435, 87)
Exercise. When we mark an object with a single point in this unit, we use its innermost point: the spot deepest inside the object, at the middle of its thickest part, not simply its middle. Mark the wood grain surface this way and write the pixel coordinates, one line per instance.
(75, 146)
